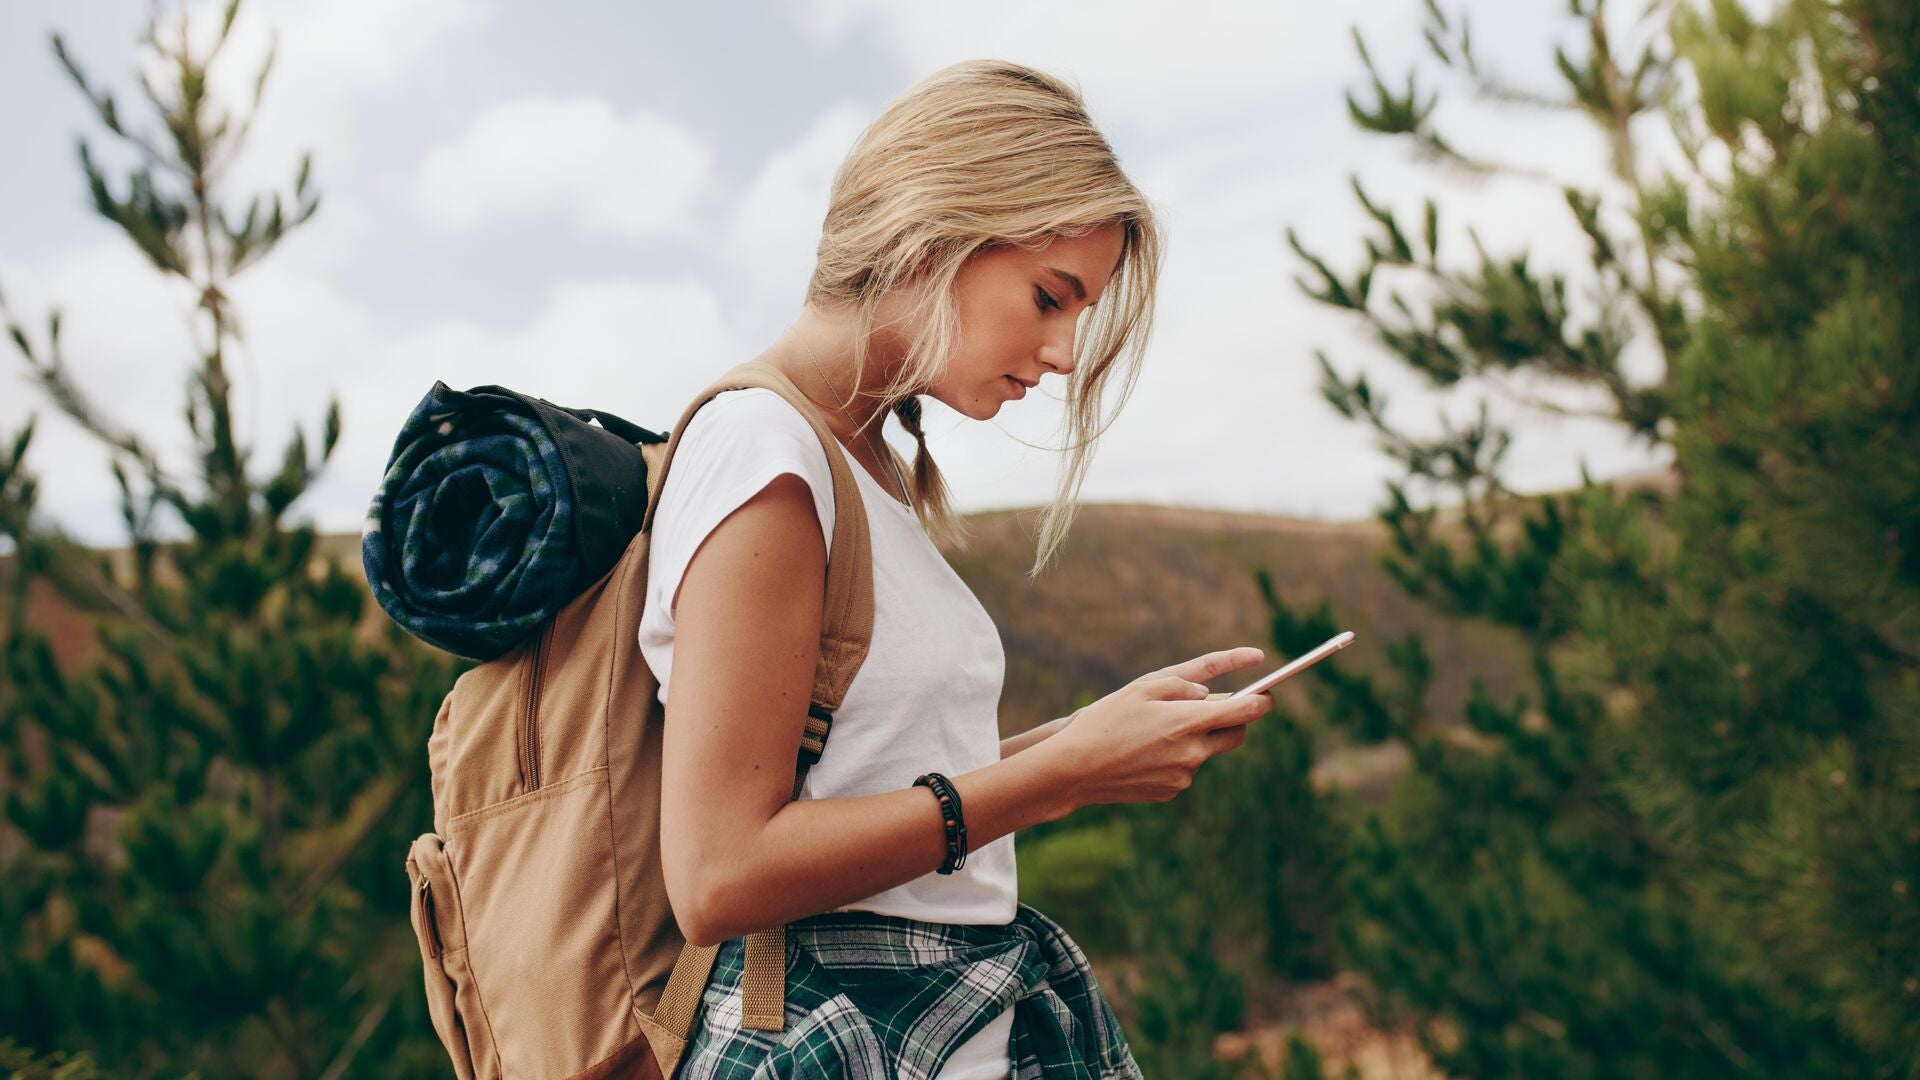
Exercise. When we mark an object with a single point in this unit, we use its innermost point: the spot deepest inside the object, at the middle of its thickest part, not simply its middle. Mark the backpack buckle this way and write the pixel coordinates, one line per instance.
(813, 740)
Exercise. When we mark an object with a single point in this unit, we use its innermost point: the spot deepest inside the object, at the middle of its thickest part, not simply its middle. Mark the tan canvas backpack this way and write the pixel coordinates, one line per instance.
(549, 945)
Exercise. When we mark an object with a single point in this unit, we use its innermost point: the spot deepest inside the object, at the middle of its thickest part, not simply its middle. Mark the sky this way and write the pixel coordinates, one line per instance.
(609, 205)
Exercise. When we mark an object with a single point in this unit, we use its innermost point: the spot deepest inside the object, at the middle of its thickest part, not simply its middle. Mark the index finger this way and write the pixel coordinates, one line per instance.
(1214, 664)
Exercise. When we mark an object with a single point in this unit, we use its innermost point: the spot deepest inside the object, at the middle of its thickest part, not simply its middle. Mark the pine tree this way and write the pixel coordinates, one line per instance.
(1692, 849)
(200, 865)
(1233, 883)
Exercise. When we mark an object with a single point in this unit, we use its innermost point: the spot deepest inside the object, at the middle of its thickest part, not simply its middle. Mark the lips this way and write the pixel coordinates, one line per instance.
(1019, 388)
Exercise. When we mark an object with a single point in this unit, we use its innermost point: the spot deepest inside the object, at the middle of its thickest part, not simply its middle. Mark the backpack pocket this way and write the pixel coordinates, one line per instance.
(540, 905)
(453, 1000)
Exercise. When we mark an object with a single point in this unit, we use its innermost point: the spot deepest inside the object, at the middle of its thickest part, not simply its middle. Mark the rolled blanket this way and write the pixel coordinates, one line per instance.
(495, 511)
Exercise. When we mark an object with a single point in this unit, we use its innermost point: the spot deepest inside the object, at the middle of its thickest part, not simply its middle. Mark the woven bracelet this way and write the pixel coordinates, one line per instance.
(950, 816)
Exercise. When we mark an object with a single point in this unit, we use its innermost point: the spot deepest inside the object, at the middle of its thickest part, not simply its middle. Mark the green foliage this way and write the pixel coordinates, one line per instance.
(1185, 995)
(200, 866)
(1265, 849)
(1303, 1061)
(1075, 876)
(1691, 850)
(1234, 881)
(17, 1063)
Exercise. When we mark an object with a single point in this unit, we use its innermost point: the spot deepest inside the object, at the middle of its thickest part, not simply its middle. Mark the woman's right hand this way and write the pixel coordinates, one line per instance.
(1144, 741)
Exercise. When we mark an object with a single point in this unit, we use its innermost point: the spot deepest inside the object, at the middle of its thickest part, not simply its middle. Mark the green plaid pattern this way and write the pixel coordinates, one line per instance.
(875, 997)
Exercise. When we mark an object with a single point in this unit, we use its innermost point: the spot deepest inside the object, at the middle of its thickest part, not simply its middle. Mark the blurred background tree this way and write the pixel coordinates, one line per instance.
(1231, 885)
(200, 866)
(1693, 849)
(1235, 882)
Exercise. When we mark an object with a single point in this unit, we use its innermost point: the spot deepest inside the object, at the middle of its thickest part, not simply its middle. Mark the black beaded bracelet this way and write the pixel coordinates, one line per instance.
(951, 816)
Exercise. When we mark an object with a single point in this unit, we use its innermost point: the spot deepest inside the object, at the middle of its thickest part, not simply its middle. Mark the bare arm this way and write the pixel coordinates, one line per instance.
(738, 855)
(1013, 744)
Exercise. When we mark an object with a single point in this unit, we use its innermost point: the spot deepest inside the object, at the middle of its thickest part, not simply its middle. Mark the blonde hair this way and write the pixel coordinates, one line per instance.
(982, 154)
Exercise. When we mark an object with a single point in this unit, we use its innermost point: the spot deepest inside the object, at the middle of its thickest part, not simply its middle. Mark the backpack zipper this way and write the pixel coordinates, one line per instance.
(530, 725)
(428, 920)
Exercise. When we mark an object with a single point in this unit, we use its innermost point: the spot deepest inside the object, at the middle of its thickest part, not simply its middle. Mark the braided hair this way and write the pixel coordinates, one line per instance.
(908, 410)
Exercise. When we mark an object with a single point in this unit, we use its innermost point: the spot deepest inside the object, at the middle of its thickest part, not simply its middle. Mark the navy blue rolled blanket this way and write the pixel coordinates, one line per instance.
(495, 511)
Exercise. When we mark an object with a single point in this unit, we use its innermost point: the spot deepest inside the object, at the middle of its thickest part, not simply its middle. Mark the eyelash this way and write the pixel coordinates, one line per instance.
(1045, 299)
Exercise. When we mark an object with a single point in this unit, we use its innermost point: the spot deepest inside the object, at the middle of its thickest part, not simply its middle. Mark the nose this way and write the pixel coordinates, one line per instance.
(1057, 351)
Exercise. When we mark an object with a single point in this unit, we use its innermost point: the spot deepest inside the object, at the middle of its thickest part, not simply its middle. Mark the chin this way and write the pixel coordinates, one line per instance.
(979, 408)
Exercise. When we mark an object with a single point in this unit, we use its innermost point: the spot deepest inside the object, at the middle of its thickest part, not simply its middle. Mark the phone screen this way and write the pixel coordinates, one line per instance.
(1294, 667)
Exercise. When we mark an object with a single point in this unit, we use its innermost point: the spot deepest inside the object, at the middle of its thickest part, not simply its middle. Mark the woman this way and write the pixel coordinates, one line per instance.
(972, 230)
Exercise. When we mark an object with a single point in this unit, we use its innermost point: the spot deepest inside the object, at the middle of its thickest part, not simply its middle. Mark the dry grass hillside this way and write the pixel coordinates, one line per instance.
(1138, 587)
(1135, 588)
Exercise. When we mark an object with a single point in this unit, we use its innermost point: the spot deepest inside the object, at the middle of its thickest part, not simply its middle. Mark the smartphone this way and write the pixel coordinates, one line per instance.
(1281, 674)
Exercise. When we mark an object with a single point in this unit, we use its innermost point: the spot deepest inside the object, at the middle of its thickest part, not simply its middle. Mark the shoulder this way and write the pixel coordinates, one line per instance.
(739, 445)
(736, 444)
(749, 425)
(749, 408)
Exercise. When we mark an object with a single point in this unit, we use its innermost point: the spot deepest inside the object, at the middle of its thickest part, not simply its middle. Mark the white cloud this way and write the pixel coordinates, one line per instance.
(1140, 61)
(775, 225)
(639, 348)
(636, 175)
(327, 58)
(125, 342)
(1229, 117)
(635, 347)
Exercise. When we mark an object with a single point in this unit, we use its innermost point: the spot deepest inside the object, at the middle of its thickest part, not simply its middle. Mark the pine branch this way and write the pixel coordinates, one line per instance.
(362, 1031)
(369, 816)
(104, 107)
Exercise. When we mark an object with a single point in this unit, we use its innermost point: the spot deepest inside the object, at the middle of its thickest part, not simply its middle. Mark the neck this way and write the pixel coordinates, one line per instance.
(816, 352)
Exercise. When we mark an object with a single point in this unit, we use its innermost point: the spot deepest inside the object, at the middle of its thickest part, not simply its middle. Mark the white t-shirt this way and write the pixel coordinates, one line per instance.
(927, 698)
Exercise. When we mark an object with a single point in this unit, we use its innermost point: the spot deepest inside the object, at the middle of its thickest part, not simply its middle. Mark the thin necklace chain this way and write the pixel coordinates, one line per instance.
(892, 462)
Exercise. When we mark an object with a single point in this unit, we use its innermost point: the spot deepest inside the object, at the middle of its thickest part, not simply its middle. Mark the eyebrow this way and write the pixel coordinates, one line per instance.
(1079, 287)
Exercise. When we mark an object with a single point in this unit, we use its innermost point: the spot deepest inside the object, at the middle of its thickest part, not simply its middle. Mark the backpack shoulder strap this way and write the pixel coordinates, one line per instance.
(847, 618)
(846, 632)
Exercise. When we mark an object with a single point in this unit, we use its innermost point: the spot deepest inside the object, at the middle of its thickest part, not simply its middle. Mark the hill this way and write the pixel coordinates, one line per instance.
(1136, 587)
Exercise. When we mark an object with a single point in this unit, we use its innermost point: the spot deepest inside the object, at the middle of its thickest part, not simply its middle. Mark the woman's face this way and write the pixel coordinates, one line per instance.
(1019, 310)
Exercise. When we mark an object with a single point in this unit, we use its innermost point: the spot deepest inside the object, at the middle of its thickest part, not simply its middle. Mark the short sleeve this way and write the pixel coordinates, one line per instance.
(734, 446)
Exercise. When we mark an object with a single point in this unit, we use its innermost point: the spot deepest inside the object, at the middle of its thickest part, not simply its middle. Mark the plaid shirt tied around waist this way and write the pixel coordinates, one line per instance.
(875, 997)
